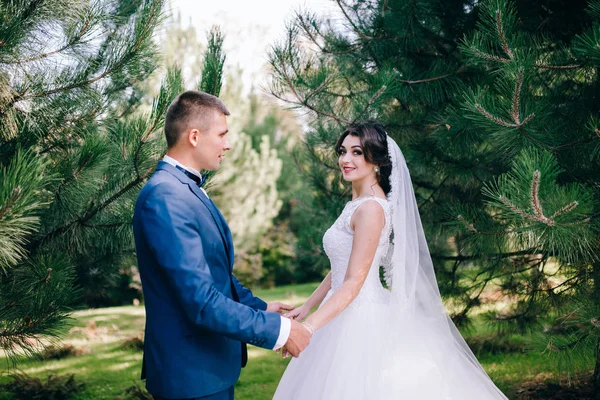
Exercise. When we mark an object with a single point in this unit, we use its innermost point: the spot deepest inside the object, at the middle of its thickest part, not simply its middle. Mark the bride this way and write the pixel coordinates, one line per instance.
(369, 342)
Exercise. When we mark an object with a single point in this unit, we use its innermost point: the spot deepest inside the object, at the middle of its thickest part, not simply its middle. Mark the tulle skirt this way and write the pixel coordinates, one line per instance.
(373, 352)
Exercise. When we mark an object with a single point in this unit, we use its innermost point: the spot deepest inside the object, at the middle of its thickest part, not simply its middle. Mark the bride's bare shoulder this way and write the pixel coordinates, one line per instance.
(369, 213)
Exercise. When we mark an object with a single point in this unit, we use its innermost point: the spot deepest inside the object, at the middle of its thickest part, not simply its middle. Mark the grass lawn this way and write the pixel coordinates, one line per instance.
(108, 369)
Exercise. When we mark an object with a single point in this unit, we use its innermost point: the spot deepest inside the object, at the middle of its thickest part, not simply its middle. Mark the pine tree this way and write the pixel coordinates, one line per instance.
(397, 62)
(73, 153)
(538, 114)
(494, 105)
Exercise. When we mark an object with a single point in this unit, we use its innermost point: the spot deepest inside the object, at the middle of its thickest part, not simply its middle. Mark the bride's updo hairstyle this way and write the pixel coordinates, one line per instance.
(373, 141)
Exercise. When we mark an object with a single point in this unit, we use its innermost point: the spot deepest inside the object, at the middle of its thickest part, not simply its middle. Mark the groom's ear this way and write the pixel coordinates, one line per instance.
(193, 137)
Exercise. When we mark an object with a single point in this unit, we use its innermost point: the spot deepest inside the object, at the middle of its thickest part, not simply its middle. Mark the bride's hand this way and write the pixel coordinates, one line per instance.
(298, 313)
(278, 307)
(284, 352)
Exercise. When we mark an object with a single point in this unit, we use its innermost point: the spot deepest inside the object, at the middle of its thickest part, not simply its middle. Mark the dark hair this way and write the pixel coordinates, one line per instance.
(373, 141)
(187, 107)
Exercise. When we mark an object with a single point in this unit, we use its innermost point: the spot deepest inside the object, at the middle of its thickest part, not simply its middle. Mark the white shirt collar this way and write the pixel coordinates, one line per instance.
(176, 163)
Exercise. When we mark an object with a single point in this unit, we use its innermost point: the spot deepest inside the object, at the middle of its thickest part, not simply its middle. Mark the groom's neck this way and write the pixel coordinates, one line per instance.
(182, 158)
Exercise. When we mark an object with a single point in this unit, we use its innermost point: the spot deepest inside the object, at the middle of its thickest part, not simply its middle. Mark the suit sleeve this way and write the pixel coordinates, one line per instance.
(174, 240)
(246, 296)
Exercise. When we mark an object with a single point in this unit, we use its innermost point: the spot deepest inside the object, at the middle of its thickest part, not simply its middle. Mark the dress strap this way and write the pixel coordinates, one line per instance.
(354, 204)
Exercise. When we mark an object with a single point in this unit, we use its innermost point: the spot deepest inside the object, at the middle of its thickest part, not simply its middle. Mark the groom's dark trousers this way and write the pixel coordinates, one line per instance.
(197, 313)
(226, 394)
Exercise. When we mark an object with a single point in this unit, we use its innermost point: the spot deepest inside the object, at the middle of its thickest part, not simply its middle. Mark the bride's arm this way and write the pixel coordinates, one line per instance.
(319, 294)
(314, 300)
(368, 222)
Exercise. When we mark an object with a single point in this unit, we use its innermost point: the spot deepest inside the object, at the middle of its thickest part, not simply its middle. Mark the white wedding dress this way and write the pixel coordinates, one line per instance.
(397, 344)
(374, 351)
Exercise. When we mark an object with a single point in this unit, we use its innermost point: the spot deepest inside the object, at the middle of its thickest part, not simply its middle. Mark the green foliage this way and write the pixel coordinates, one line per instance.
(278, 249)
(137, 392)
(58, 352)
(21, 200)
(248, 267)
(36, 299)
(134, 343)
(55, 387)
(214, 59)
(245, 189)
(541, 215)
(494, 104)
(74, 150)
(494, 344)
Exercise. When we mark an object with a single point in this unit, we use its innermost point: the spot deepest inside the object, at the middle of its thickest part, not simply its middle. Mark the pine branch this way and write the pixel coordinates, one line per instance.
(567, 208)
(493, 118)
(319, 88)
(433, 192)
(502, 36)
(566, 282)
(535, 189)
(307, 31)
(436, 78)
(383, 8)
(527, 119)
(303, 102)
(565, 347)
(92, 210)
(371, 101)
(517, 98)
(547, 66)
(14, 196)
(141, 40)
(489, 57)
(351, 22)
(76, 39)
(575, 143)
(500, 121)
(472, 228)
(213, 63)
(522, 213)
(468, 225)
(107, 226)
(536, 204)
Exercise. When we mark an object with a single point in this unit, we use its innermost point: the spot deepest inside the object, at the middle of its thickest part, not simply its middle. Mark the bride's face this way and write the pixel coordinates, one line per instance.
(352, 161)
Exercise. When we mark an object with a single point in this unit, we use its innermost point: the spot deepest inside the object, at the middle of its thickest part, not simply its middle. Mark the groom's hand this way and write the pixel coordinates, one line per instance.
(298, 340)
(278, 307)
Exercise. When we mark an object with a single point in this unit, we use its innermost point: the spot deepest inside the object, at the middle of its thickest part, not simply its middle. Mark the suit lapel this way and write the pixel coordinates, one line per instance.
(217, 217)
(228, 238)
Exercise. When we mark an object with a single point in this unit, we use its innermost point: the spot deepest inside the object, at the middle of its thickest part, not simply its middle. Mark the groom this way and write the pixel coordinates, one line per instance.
(199, 317)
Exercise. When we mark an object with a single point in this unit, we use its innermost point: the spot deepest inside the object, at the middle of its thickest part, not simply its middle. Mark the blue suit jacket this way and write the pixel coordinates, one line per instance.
(193, 324)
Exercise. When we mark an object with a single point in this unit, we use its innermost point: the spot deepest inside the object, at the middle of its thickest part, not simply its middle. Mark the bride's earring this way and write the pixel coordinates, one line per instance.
(376, 170)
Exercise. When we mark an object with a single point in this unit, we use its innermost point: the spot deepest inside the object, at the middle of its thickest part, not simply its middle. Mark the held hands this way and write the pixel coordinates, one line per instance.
(298, 313)
(278, 307)
(299, 334)
(298, 340)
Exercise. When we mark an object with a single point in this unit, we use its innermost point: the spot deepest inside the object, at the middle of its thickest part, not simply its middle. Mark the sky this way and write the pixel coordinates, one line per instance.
(250, 27)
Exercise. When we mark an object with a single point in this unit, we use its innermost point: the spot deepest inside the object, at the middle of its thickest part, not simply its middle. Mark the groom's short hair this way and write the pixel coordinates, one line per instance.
(190, 107)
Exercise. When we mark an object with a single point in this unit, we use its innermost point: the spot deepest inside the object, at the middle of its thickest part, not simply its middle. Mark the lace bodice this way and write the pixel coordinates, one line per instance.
(337, 243)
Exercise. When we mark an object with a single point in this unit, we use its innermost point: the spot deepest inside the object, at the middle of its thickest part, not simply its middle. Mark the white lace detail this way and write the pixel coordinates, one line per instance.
(338, 239)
